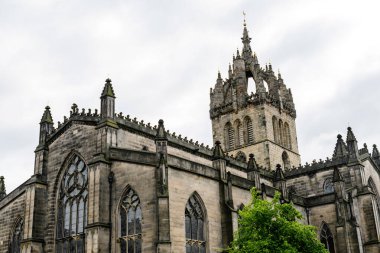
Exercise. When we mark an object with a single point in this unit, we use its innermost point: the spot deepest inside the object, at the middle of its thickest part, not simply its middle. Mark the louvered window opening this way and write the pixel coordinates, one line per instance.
(249, 131)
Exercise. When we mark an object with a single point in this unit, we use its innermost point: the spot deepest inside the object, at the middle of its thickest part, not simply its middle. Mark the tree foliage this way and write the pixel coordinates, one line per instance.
(268, 226)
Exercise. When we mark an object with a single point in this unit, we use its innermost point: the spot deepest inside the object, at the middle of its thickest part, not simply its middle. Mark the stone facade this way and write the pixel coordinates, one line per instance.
(104, 182)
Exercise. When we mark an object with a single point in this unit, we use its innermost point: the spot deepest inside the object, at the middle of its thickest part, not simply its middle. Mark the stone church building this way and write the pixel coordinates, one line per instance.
(104, 182)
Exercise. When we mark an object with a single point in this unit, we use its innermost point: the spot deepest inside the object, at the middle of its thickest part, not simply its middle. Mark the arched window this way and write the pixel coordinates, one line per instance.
(285, 160)
(328, 185)
(373, 188)
(72, 208)
(281, 132)
(195, 226)
(229, 136)
(248, 130)
(326, 238)
(239, 133)
(288, 142)
(275, 129)
(130, 223)
(241, 157)
(14, 246)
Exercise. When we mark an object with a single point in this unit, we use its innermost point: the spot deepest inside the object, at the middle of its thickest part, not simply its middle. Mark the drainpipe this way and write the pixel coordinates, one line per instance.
(110, 181)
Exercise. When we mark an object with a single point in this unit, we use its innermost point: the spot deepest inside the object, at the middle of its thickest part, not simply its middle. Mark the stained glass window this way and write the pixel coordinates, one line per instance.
(328, 186)
(72, 208)
(130, 223)
(194, 227)
(327, 238)
(17, 237)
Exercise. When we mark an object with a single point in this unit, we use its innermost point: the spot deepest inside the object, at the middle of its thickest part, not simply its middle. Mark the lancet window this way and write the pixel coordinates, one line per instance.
(288, 143)
(17, 236)
(195, 226)
(275, 129)
(229, 136)
(327, 239)
(239, 133)
(249, 130)
(72, 208)
(130, 217)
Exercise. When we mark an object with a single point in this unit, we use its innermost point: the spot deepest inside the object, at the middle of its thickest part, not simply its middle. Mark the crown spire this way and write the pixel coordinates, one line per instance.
(247, 51)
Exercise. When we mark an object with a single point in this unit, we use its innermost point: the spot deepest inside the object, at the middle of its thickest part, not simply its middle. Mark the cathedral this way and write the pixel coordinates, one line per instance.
(105, 182)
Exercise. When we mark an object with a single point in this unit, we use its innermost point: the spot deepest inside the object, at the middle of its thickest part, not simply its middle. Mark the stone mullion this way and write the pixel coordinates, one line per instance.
(376, 216)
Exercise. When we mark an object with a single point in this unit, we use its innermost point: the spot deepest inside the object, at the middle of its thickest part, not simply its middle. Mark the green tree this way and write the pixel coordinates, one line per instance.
(268, 227)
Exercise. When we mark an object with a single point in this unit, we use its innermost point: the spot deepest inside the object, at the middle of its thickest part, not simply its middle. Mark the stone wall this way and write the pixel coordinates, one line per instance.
(12, 208)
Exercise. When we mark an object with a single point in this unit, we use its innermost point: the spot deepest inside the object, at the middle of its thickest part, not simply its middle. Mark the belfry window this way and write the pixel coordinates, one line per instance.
(239, 133)
(14, 246)
(249, 130)
(130, 223)
(195, 226)
(229, 136)
(72, 208)
(327, 239)
(275, 129)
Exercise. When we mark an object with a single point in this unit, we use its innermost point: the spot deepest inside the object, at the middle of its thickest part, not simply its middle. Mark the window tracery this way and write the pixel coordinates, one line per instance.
(327, 239)
(17, 236)
(72, 208)
(194, 227)
(130, 223)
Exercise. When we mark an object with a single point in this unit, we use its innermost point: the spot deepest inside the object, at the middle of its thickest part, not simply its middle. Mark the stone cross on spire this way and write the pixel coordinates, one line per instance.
(247, 51)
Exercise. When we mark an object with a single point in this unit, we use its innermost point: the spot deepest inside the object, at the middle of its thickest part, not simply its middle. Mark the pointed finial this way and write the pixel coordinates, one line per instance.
(245, 24)
(161, 133)
(237, 53)
(46, 117)
(218, 151)
(279, 173)
(219, 75)
(2, 188)
(350, 135)
(337, 176)
(108, 89)
(252, 166)
(375, 152)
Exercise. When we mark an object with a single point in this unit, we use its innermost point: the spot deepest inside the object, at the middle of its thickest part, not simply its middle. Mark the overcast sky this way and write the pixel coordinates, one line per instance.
(163, 57)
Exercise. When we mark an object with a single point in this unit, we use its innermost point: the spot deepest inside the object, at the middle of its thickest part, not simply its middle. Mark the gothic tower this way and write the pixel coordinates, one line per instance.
(262, 123)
